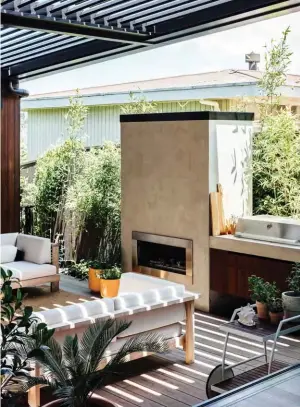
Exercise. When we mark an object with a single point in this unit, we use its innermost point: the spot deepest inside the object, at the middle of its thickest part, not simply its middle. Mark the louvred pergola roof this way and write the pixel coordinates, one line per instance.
(43, 36)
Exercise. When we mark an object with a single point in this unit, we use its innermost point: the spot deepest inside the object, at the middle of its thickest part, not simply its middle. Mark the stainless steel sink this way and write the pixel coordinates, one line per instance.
(269, 228)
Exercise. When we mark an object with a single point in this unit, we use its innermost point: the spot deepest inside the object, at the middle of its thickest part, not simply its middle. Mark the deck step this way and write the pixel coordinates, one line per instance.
(247, 377)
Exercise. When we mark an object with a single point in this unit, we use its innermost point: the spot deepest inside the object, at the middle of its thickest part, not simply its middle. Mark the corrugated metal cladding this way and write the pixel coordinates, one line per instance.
(47, 127)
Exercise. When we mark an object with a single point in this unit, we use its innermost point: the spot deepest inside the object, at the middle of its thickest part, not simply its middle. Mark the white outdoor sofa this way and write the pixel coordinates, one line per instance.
(153, 305)
(39, 262)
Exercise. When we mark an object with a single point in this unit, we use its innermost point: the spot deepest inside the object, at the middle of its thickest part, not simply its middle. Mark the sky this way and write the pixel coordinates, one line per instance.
(223, 50)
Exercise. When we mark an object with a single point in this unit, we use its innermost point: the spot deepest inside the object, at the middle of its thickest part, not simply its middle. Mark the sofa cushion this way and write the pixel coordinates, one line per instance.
(154, 319)
(71, 313)
(24, 270)
(138, 289)
(36, 249)
(8, 253)
(8, 238)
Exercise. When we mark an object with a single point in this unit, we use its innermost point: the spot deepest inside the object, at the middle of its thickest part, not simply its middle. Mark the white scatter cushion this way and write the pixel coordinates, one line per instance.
(163, 294)
(8, 239)
(138, 283)
(97, 307)
(36, 249)
(24, 270)
(72, 313)
(124, 301)
(7, 253)
(51, 316)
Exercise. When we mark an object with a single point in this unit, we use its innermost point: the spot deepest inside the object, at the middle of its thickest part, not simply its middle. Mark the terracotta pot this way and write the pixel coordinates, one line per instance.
(109, 288)
(291, 304)
(94, 281)
(94, 401)
(275, 317)
(262, 310)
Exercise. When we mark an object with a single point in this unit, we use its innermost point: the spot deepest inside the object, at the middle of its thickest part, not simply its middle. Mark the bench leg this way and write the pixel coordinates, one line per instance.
(189, 333)
(55, 286)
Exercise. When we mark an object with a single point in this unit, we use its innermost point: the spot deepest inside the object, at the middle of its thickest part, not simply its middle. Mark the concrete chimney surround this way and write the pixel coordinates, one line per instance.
(170, 162)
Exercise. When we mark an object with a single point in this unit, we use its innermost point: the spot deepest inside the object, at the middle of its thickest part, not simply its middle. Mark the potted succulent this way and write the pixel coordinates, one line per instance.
(291, 298)
(95, 270)
(110, 282)
(261, 291)
(275, 310)
(75, 370)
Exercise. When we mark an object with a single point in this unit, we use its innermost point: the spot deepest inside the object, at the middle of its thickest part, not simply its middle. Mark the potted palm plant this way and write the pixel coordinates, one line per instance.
(75, 370)
(110, 282)
(95, 270)
(275, 310)
(291, 298)
(261, 291)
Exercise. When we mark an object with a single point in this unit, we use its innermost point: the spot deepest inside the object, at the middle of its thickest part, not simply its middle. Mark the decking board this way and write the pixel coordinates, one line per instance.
(191, 391)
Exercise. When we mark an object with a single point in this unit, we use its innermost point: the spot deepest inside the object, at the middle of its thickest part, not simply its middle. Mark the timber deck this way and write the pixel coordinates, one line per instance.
(166, 380)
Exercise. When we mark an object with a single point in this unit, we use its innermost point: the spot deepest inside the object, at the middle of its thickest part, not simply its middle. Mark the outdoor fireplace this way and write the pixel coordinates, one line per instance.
(162, 256)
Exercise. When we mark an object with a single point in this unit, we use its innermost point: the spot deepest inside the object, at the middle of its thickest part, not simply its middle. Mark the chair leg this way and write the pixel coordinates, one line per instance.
(189, 333)
(55, 286)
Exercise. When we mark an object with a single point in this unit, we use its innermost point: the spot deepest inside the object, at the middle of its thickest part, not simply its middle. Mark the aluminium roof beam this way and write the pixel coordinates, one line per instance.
(64, 26)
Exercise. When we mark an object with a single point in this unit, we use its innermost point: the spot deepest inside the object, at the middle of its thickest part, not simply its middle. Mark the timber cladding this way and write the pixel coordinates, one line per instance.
(229, 272)
(10, 164)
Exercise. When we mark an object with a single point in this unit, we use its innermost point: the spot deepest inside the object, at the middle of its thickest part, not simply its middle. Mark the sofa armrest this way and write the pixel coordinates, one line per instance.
(55, 255)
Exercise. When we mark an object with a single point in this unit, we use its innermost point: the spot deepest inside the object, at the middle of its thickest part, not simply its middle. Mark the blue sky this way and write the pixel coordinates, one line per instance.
(214, 52)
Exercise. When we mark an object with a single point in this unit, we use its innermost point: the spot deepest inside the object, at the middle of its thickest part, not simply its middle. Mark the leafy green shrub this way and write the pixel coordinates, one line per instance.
(79, 270)
(275, 305)
(276, 166)
(22, 336)
(139, 104)
(294, 279)
(97, 265)
(114, 273)
(276, 158)
(94, 203)
(53, 175)
(56, 170)
(262, 290)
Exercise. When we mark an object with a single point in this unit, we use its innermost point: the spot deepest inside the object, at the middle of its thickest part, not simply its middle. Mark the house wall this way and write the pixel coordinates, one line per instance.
(47, 127)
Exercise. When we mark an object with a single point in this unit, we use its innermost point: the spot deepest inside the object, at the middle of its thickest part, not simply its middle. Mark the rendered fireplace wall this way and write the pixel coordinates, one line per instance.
(168, 169)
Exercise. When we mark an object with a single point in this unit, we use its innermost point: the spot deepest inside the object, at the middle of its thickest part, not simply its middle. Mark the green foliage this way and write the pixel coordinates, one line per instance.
(276, 166)
(56, 170)
(74, 371)
(275, 304)
(22, 336)
(277, 61)
(139, 104)
(79, 270)
(262, 290)
(97, 265)
(113, 273)
(94, 202)
(76, 116)
(294, 279)
(276, 158)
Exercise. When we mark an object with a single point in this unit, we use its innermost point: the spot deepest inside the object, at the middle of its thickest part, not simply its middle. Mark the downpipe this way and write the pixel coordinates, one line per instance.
(17, 91)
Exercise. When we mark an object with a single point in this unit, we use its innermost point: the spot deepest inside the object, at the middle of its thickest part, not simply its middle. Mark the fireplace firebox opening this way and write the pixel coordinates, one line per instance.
(162, 256)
